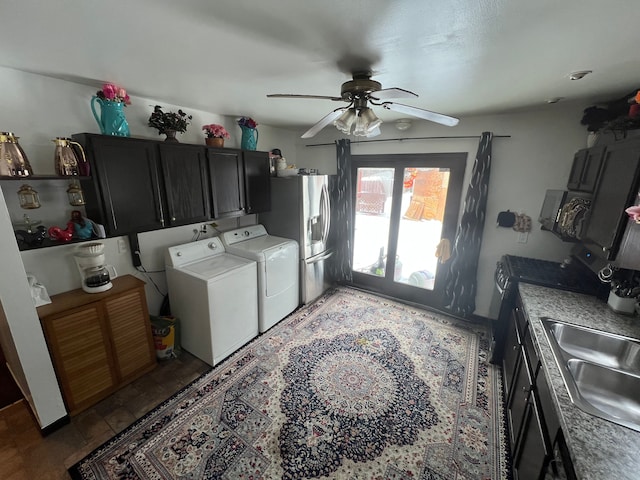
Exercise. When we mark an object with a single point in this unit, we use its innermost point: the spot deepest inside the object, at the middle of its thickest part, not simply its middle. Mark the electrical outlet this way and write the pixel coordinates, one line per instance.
(122, 245)
(523, 237)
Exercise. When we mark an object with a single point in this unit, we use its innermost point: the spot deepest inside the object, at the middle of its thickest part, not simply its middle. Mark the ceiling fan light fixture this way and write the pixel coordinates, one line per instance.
(345, 121)
(403, 124)
(366, 122)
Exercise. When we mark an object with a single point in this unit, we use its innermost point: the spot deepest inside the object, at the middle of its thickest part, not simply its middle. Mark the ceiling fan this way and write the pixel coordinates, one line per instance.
(359, 93)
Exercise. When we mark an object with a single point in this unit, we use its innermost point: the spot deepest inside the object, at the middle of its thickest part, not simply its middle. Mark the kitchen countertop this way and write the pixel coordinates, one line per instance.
(599, 449)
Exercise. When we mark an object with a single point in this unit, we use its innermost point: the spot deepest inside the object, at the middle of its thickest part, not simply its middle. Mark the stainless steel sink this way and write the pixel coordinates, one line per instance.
(600, 370)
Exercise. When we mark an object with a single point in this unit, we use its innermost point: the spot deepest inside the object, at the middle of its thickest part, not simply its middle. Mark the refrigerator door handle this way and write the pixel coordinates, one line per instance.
(326, 213)
(319, 259)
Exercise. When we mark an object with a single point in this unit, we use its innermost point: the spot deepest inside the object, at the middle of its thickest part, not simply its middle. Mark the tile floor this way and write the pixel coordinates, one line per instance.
(26, 455)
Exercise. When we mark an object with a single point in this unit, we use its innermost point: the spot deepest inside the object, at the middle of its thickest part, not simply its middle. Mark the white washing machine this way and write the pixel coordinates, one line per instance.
(278, 270)
(214, 296)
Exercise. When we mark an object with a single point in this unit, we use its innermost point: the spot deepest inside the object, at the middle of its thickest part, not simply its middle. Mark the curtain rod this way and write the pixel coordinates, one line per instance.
(406, 138)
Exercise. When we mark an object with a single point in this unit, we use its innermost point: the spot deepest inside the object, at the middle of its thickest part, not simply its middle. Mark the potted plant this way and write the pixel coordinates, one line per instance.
(215, 135)
(169, 123)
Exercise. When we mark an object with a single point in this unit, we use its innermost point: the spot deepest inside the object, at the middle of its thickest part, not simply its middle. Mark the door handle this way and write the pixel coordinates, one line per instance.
(319, 259)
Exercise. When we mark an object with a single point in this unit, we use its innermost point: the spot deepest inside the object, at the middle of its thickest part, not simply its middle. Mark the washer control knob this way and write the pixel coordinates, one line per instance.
(178, 254)
(212, 245)
(246, 233)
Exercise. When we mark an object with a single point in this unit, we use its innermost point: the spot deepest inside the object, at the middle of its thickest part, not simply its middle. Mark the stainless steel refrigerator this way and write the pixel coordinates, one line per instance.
(301, 209)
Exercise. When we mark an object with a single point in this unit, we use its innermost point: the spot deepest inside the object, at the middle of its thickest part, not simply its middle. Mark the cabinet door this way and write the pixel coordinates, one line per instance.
(533, 452)
(227, 182)
(577, 168)
(184, 173)
(591, 171)
(586, 169)
(257, 180)
(519, 399)
(128, 183)
(616, 190)
(130, 332)
(79, 348)
(511, 355)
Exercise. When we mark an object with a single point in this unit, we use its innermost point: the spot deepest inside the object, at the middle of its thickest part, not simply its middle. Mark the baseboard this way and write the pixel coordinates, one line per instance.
(52, 427)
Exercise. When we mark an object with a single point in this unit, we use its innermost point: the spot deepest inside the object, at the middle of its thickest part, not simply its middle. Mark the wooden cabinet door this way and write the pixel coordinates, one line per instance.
(127, 183)
(616, 190)
(130, 332)
(186, 187)
(591, 171)
(533, 452)
(577, 168)
(79, 348)
(257, 181)
(227, 182)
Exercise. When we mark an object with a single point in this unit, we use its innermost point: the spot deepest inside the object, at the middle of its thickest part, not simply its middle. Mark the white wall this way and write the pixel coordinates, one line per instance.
(536, 157)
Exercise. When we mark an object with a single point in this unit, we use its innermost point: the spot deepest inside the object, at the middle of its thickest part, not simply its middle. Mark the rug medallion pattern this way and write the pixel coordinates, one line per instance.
(351, 387)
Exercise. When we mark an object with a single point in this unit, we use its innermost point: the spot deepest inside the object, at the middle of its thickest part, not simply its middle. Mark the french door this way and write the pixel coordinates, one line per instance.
(404, 205)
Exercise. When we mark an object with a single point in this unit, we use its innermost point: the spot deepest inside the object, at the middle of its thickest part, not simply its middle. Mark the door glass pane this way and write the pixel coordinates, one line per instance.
(374, 188)
(424, 195)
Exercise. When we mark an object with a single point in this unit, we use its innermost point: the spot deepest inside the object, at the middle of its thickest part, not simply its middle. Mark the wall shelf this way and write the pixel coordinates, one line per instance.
(43, 177)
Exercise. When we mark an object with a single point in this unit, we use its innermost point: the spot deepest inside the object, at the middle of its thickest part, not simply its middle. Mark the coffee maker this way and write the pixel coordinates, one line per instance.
(95, 274)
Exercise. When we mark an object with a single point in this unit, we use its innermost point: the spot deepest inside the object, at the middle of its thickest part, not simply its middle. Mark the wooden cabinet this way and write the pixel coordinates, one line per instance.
(240, 180)
(257, 181)
(529, 436)
(616, 190)
(586, 169)
(141, 185)
(98, 342)
(186, 184)
(124, 192)
(226, 172)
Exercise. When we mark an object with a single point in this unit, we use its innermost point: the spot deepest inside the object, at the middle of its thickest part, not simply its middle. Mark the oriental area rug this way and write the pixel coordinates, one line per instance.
(352, 387)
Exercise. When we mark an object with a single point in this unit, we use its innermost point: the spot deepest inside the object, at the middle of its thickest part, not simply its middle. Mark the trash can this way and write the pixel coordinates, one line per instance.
(165, 336)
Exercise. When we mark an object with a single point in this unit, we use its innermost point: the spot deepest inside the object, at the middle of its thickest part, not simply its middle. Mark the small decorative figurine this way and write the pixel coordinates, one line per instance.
(83, 229)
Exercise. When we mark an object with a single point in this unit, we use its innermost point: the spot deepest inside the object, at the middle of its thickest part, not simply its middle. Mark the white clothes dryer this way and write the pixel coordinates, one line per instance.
(278, 270)
(214, 296)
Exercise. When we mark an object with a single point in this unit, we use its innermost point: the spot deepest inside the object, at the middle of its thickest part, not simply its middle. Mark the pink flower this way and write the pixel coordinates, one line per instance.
(113, 93)
(634, 213)
(215, 131)
(109, 90)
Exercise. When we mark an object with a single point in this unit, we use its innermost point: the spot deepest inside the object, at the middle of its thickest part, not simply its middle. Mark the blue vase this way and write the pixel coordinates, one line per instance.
(111, 120)
(249, 140)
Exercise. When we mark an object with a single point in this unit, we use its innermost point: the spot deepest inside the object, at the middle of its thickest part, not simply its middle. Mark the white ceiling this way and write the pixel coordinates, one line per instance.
(461, 57)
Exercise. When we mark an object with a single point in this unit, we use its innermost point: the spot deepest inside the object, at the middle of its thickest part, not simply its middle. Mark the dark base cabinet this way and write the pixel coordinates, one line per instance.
(537, 446)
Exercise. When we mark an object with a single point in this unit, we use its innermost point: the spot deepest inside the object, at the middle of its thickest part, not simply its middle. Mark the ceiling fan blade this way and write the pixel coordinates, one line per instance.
(392, 93)
(326, 120)
(293, 95)
(421, 113)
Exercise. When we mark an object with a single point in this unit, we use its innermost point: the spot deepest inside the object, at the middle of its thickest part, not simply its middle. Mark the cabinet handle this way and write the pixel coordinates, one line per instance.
(173, 219)
(525, 390)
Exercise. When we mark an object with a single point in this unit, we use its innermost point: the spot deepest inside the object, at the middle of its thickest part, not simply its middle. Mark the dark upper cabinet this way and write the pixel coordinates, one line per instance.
(227, 182)
(585, 170)
(257, 181)
(616, 190)
(139, 185)
(124, 192)
(240, 181)
(186, 183)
